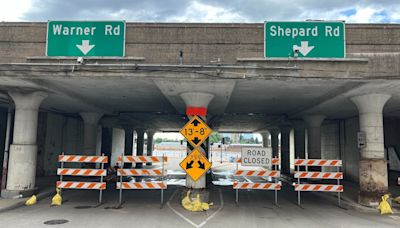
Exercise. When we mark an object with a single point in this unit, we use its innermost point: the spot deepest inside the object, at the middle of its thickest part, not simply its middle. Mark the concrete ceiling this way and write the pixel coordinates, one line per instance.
(241, 104)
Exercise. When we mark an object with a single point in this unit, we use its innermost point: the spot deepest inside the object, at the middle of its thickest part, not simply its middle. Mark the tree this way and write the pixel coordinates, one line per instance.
(215, 137)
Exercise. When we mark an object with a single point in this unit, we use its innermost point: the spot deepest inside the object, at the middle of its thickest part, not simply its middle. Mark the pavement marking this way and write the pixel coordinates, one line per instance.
(190, 221)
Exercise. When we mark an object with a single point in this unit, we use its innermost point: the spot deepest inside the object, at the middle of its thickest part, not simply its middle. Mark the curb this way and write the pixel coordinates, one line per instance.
(21, 202)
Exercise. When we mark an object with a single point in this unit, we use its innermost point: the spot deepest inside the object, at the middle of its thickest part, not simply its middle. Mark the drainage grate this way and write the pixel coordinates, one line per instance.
(83, 207)
(56, 222)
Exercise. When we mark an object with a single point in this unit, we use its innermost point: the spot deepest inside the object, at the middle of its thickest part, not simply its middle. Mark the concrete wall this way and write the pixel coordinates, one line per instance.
(330, 143)
(201, 43)
(57, 134)
(3, 126)
(118, 144)
(392, 133)
(351, 153)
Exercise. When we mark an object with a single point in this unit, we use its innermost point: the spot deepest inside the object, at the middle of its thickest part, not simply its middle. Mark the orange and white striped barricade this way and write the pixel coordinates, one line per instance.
(304, 187)
(149, 185)
(274, 173)
(62, 171)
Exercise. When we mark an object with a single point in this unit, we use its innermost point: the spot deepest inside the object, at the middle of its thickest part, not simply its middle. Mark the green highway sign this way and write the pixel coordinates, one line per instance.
(85, 38)
(309, 39)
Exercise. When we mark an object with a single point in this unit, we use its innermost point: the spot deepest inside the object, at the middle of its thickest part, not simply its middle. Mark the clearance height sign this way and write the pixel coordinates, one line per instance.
(256, 156)
(309, 39)
(85, 38)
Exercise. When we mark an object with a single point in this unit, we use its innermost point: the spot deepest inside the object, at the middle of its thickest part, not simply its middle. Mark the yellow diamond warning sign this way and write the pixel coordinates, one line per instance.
(196, 131)
(195, 164)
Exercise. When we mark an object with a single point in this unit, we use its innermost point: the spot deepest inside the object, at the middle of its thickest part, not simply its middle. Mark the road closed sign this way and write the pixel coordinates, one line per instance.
(256, 156)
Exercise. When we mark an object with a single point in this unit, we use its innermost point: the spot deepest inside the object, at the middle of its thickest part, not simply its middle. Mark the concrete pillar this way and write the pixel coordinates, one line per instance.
(285, 148)
(140, 145)
(23, 151)
(150, 135)
(274, 132)
(314, 135)
(265, 139)
(373, 166)
(299, 139)
(198, 102)
(90, 120)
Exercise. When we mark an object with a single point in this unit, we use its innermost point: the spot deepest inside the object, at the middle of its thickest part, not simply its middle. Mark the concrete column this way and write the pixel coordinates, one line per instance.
(90, 120)
(373, 166)
(140, 145)
(299, 139)
(198, 101)
(274, 141)
(285, 148)
(314, 135)
(150, 135)
(265, 139)
(23, 151)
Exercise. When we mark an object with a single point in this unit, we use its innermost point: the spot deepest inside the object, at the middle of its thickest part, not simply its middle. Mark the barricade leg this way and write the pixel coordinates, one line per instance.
(298, 192)
(237, 196)
(101, 180)
(338, 183)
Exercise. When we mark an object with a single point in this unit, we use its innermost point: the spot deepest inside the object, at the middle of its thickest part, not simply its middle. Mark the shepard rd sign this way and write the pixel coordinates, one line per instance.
(309, 39)
(256, 156)
(85, 38)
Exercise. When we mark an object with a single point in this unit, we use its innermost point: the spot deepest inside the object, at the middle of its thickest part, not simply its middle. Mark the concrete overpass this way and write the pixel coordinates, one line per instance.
(60, 103)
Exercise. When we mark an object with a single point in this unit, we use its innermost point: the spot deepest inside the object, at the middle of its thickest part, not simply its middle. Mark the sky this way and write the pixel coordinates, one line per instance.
(212, 11)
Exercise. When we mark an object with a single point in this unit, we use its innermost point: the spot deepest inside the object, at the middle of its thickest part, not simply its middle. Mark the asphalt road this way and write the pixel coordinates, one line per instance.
(141, 208)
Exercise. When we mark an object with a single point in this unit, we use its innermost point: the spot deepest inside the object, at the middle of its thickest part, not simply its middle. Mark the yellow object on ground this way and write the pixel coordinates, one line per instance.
(31, 201)
(57, 200)
(195, 205)
(384, 206)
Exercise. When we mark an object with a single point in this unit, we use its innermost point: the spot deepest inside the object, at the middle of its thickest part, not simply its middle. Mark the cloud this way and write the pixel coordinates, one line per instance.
(366, 11)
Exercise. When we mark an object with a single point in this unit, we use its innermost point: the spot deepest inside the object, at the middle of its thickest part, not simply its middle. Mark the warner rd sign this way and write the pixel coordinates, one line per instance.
(310, 39)
(85, 38)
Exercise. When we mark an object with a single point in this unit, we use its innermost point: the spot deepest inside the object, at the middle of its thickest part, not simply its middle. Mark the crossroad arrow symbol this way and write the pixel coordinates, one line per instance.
(201, 165)
(196, 140)
(195, 122)
(85, 47)
(189, 165)
(304, 49)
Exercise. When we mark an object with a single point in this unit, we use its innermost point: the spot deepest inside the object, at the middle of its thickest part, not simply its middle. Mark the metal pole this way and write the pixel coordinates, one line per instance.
(101, 181)
(237, 190)
(237, 196)
(221, 152)
(276, 191)
(120, 181)
(61, 176)
(298, 182)
(162, 180)
(6, 148)
(338, 182)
